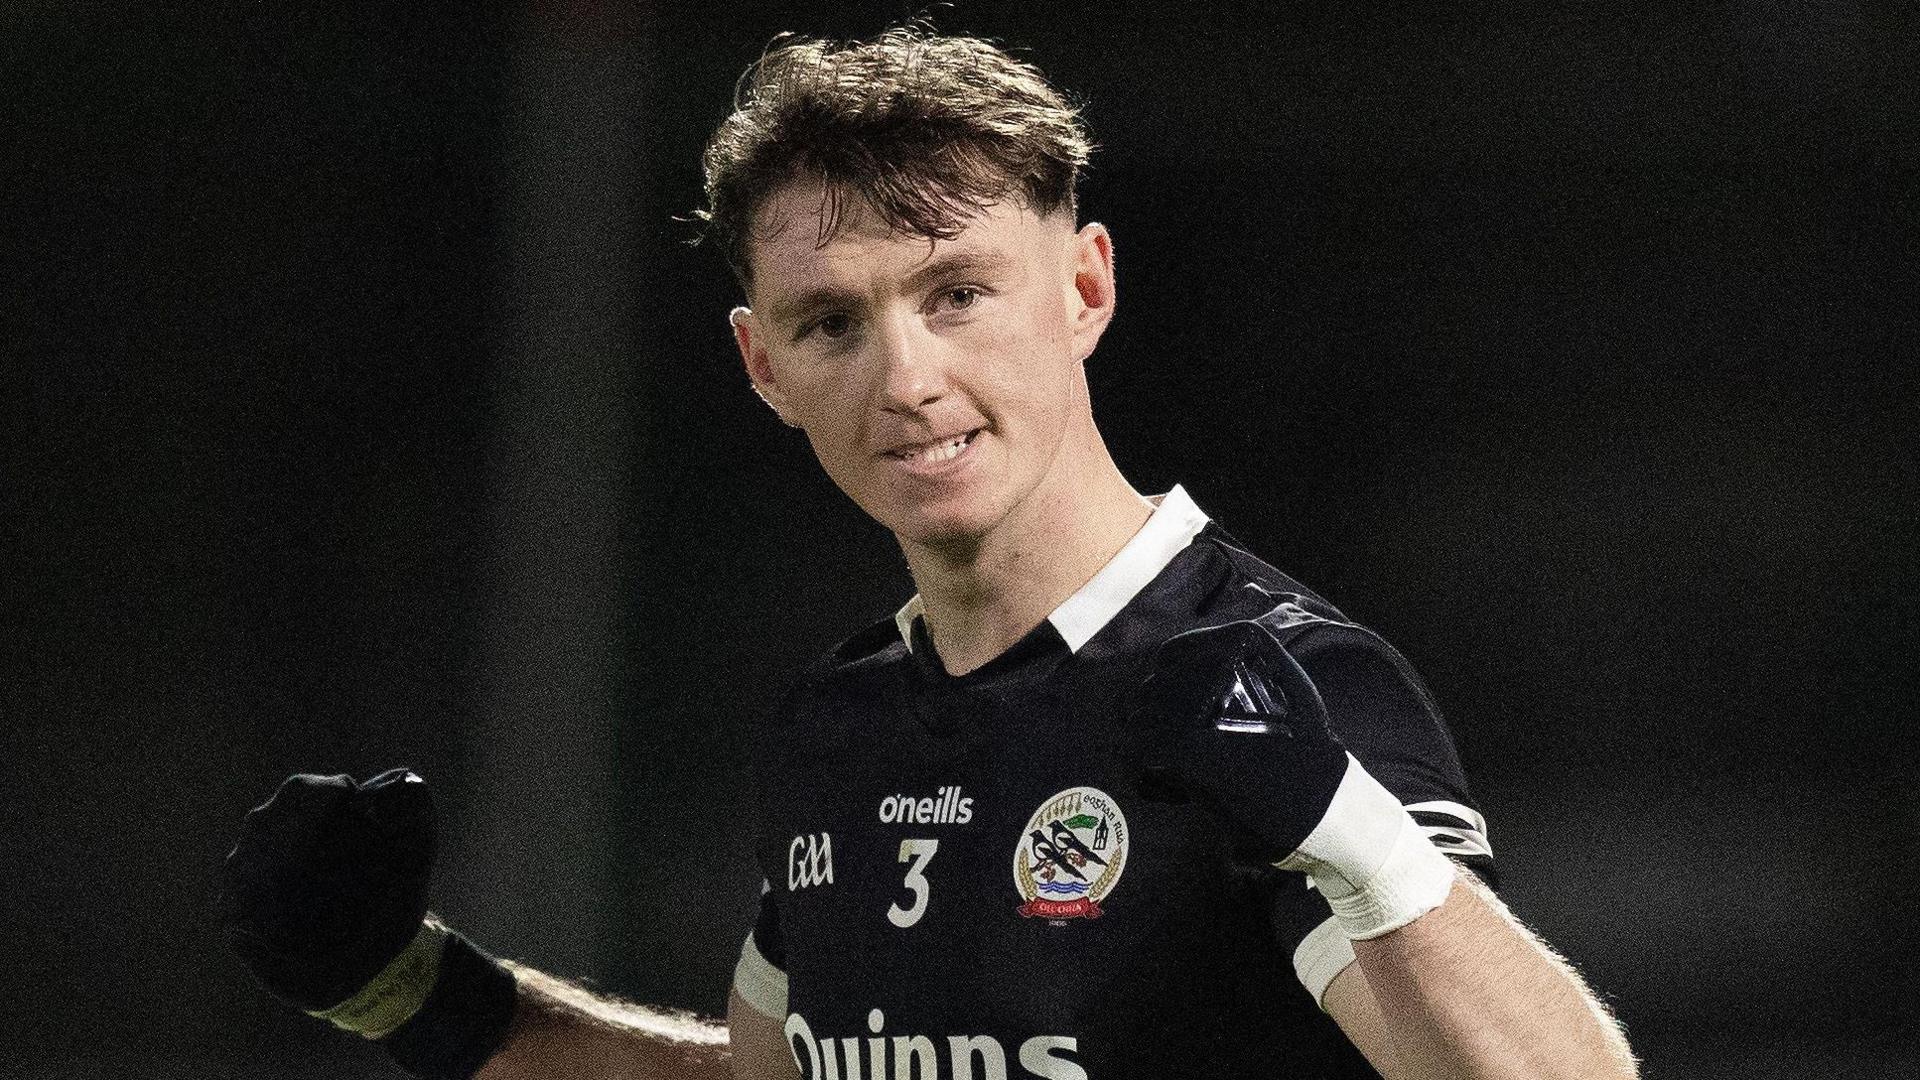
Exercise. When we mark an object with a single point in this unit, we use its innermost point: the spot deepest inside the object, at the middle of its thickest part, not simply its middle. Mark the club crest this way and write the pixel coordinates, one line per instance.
(1070, 855)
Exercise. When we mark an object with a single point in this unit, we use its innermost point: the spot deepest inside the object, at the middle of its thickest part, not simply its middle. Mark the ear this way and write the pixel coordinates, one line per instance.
(1093, 291)
(746, 334)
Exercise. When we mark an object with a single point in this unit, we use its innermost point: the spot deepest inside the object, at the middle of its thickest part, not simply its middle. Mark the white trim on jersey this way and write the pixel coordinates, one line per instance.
(1173, 525)
(1324, 953)
(904, 618)
(1466, 834)
(759, 983)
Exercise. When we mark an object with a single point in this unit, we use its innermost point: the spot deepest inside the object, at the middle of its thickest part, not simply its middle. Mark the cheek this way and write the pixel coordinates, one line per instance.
(815, 395)
(1035, 373)
(828, 406)
(832, 427)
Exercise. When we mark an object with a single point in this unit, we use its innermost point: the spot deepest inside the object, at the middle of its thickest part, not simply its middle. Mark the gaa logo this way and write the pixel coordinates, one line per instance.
(1071, 856)
(809, 861)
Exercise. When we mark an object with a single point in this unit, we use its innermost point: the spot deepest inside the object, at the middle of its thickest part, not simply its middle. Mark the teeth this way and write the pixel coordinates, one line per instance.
(937, 452)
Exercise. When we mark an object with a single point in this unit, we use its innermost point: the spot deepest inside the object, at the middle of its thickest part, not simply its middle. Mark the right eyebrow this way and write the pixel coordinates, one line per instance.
(790, 312)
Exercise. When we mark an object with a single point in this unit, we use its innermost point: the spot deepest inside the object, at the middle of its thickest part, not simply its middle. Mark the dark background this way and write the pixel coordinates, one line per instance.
(363, 405)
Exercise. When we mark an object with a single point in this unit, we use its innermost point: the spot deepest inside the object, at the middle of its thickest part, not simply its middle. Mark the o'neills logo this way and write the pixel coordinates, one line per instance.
(1071, 856)
(944, 807)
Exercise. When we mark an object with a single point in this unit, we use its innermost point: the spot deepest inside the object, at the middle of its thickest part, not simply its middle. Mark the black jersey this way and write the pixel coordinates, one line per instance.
(964, 879)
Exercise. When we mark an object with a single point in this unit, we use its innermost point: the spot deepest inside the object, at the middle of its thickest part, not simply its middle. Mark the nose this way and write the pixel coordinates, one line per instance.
(913, 375)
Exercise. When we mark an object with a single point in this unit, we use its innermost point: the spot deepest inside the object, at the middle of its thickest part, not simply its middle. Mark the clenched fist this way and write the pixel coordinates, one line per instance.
(328, 883)
(1244, 732)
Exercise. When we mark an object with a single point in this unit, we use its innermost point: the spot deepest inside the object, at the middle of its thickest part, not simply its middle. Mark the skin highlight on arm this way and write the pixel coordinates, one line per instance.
(1465, 992)
(561, 1029)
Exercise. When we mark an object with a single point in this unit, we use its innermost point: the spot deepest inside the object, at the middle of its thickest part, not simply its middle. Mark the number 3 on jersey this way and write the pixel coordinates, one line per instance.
(921, 852)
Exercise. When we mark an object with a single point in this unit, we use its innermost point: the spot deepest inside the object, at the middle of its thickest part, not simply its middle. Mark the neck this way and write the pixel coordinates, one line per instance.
(982, 598)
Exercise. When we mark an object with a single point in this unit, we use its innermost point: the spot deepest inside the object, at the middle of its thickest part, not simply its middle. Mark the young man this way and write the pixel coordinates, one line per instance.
(1108, 798)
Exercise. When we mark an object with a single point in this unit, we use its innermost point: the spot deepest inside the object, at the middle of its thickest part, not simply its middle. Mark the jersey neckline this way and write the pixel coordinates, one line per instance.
(1168, 531)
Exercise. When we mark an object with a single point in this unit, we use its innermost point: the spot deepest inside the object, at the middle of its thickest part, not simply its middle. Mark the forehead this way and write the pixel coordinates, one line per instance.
(788, 254)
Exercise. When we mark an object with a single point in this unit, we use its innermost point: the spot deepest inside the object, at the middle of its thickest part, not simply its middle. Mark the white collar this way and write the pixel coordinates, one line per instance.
(1173, 525)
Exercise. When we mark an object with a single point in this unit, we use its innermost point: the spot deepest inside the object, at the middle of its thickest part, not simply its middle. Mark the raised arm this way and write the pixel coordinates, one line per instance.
(1446, 983)
(1466, 991)
(324, 898)
(561, 1029)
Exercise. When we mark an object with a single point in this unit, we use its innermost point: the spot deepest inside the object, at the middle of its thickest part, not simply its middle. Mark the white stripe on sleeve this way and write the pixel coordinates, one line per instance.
(760, 984)
(1464, 833)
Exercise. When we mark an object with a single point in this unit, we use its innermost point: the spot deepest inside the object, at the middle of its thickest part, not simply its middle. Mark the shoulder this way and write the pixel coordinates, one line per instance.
(814, 728)
(1376, 702)
(1230, 583)
(876, 647)
(1301, 619)
(863, 667)
(1373, 684)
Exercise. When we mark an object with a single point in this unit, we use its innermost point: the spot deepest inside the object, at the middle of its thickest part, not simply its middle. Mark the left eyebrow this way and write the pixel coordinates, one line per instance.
(957, 263)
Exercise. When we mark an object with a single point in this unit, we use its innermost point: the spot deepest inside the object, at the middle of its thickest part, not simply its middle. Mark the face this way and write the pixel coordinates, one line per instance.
(940, 383)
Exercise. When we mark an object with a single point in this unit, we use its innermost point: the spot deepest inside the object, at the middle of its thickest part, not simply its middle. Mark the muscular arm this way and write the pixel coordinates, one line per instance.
(1466, 993)
(563, 1030)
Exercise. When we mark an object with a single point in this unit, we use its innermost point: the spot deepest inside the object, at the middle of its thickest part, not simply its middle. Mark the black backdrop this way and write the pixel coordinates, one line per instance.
(364, 405)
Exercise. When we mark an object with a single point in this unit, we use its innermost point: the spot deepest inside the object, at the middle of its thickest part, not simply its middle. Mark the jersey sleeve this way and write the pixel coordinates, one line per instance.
(1377, 705)
(761, 977)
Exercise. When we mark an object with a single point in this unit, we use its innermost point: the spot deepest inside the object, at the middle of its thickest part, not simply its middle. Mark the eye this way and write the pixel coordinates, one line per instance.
(960, 296)
(832, 326)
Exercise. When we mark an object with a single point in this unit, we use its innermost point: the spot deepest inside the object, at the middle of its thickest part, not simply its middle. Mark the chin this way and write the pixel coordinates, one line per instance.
(943, 532)
(952, 524)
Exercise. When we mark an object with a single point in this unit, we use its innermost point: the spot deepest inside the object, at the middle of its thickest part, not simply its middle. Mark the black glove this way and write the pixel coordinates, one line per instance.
(1242, 731)
(325, 897)
(1245, 733)
(328, 883)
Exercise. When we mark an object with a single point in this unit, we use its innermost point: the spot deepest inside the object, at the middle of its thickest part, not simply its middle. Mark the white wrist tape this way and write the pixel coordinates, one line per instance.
(391, 998)
(1371, 860)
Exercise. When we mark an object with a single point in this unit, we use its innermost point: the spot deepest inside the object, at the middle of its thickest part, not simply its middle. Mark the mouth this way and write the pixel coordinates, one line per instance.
(932, 454)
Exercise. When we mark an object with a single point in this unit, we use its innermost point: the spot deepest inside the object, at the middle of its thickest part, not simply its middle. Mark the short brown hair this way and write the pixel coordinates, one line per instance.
(923, 128)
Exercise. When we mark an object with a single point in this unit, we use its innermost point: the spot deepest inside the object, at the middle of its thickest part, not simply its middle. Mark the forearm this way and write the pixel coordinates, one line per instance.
(563, 1030)
(1466, 993)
